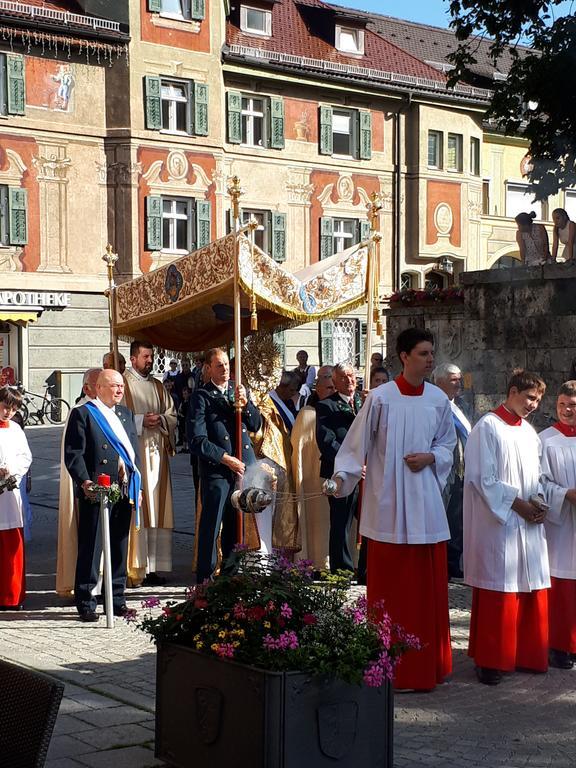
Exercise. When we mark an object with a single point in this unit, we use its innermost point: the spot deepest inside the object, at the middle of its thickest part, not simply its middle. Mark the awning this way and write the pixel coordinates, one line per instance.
(188, 304)
(21, 318)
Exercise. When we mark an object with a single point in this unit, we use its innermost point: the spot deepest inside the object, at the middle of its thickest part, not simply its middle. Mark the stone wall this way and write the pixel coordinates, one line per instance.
(523, 317)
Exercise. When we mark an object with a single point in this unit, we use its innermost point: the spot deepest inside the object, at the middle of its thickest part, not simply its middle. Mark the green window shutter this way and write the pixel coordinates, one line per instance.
(326, 344)
(155, 6)
(365, 135)
(153, 102)
(203, 223)
(200, 109)
(364, 230)
(18, 215)
(153, 223)
(326, 237)
(326, 136)
(279, 338)
(278, 236)
(198, 10)
(15, 81)
(234, 100)
(276, 123)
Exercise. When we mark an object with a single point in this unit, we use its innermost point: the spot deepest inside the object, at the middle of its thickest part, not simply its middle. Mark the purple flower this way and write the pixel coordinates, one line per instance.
(225, 650)
(131, 615)
(286, 611)
(285, 641)
(151, 602)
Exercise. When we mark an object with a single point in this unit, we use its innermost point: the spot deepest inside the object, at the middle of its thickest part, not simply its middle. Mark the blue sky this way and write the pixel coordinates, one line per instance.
(433, 12)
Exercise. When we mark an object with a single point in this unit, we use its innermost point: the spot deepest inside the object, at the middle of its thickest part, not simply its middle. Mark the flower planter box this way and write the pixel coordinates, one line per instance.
(211, 712)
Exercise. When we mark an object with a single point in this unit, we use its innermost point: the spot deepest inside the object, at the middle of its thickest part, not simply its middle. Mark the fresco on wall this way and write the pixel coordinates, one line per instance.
(50, 85)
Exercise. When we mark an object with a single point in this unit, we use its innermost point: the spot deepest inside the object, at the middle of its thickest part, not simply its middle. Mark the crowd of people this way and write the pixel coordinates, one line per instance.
(418, 495)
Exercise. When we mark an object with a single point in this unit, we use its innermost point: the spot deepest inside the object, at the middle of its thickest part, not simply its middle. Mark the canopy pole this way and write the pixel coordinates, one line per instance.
(110, 260)
(372, 279)
(235, 191)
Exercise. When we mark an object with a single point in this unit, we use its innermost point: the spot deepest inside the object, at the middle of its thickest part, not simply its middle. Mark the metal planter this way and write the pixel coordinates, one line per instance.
(211, 712)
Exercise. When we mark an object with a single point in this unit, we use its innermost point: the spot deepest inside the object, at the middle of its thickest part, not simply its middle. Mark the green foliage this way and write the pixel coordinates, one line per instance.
(269, 613)
(538, 97)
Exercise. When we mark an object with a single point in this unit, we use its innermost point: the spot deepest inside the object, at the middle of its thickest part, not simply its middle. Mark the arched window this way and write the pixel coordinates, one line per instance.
(507, 262)
(408, 280)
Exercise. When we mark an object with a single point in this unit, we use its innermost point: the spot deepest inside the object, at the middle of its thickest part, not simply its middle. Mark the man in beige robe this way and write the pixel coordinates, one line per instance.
(313, 513)
(155, 415)
(67, 511)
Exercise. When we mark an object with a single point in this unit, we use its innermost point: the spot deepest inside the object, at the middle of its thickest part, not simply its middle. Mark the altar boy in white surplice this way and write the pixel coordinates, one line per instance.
(505, 553)
(559, 478)
(404, 434)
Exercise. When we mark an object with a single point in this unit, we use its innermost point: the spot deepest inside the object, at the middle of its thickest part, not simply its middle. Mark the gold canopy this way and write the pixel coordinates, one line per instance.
(188, 304)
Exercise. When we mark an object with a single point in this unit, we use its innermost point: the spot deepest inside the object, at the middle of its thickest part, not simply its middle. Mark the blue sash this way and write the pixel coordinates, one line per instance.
(135, 481)
(460, 428)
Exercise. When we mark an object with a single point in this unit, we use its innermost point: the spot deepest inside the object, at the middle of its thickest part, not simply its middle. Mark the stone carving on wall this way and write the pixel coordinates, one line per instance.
(52, 165)
(443, 219)
(119, 173)
(299, 187)
(177, 167)
(344, 198)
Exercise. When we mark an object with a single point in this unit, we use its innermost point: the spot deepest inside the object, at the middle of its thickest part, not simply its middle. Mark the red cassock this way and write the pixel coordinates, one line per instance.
(562, 615)
(412, 580)
(509, 630)
(12, 578)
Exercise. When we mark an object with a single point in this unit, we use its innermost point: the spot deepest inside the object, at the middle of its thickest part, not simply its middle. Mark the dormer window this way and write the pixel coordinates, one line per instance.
(350, 40)
(255, 21)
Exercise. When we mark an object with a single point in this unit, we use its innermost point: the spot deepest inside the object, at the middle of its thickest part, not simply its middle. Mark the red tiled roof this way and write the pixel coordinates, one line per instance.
(57, 5)
(292, 33)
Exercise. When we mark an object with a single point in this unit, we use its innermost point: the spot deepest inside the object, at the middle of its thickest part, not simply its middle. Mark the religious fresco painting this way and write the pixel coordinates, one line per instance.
(50, 85)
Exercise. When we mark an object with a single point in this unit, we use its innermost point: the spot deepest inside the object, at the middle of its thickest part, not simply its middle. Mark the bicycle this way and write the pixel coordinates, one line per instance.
(55, 409)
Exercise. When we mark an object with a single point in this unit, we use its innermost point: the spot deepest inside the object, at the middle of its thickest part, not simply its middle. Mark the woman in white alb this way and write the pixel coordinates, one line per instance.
(565, 233)
(532, 240)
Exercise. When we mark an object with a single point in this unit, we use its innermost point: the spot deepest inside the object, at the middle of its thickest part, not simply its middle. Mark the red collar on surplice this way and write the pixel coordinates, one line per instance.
(507, 416)
(408, 389)
(4, 424)
(566, 429)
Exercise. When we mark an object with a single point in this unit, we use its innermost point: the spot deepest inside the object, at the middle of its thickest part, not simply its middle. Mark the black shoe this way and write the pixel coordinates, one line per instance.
(455, 573)
(88, 616)
(559, 659)
(120, 610)
(489, 676)
(153, 580)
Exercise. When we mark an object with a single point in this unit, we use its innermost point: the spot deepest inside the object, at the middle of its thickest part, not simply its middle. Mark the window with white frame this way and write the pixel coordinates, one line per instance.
(434, 281)
(177, 224)
(520, 200)
(255, 21)
(178, 9)
(475, 156)
(253, 121)
(435, 141)
(343, 133)
(345, 234)
(262, 233)
(454, 152)
(339, 233)
(350, 40)
(570, 203)
(175, 106)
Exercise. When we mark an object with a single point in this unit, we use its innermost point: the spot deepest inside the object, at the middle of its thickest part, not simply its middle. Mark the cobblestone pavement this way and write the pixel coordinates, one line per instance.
(107, 714)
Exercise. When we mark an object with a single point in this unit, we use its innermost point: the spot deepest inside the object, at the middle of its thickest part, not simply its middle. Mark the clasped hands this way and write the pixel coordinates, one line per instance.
(530, 511)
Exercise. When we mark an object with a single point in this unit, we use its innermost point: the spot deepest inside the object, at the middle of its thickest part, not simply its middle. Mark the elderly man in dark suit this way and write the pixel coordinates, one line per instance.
(212, 436)
(334, 415)
(101, 438)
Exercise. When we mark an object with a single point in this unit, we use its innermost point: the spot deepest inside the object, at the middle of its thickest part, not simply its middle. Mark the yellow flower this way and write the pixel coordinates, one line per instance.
(226, 616)
(214, 647)
(222, 634)
(267, 625)
(199, 645)
(235, 644)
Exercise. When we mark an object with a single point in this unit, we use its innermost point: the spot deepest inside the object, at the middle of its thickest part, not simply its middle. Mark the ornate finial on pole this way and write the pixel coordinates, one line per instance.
(235, 191)
(110, 258)
(372, 316)
(374, 208)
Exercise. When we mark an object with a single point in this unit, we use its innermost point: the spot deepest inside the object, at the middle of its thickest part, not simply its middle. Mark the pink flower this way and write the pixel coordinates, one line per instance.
(239, 611)
(130, 615)
(150, 602)
(225, 650)
(285, 641)
(286, 611)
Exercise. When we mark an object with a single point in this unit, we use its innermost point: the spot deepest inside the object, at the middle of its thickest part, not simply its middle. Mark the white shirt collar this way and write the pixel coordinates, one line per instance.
(135, 373)
(222, 387)
(347, 398)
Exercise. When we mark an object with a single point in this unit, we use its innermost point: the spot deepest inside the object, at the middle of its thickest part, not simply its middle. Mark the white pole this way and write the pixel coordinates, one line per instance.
(105, 527)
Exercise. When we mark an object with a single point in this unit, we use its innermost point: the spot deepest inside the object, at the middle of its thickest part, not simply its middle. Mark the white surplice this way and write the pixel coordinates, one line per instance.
(502, 552)
(400, 506)
(16, 457)
(558, 475)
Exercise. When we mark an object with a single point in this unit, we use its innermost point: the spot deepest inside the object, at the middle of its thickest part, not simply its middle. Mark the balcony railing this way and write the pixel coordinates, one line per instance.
(59, 17)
